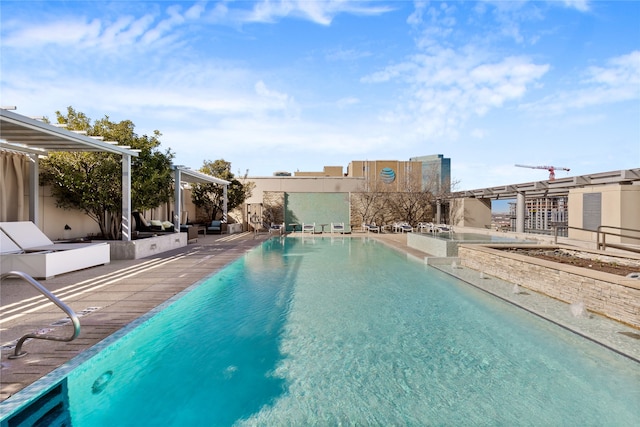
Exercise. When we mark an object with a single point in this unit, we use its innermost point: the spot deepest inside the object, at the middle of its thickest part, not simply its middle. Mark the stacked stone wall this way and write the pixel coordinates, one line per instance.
(610, 295)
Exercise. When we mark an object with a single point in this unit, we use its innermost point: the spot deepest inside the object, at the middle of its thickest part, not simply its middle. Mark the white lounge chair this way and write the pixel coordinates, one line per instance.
(402, 227)
(309, 228)
(34, 254)
(337, 227)
(276, 228)
(425, 226)
(371, 227)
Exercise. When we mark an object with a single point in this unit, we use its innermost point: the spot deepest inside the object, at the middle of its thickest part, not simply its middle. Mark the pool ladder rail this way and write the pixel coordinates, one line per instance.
(44, 291)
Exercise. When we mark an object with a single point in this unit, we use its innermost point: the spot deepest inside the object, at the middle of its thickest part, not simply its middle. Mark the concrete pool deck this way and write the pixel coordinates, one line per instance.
(111, 296)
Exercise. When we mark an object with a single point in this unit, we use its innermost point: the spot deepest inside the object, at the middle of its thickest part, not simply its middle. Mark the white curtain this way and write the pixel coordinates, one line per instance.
(14, 172)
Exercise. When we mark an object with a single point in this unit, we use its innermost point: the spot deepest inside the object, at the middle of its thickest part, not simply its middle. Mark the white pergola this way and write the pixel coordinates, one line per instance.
(36, 138)
(550, 188)
(184, 174)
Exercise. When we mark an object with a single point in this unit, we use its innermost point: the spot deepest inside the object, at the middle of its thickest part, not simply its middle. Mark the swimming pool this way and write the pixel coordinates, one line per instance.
(326, 331)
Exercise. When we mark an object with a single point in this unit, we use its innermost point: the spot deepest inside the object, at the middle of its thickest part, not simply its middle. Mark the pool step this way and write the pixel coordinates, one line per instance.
(50, 410)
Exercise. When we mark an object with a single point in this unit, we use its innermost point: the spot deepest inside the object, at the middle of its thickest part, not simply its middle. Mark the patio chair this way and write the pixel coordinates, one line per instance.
(309, 228)
(405, 227)
(142, 224)
(276, 228)
(402, 227)
(425, 226)
(371, 227)
(215, 227)
(337, 227)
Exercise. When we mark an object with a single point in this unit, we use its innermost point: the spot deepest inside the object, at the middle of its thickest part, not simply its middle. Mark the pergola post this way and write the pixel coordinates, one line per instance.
(34, 190)
(126, 197)
(521, 210)
(224, 203)
(177, 200)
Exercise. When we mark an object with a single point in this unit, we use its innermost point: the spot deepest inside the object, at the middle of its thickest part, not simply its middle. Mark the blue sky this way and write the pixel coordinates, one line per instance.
(297, 85)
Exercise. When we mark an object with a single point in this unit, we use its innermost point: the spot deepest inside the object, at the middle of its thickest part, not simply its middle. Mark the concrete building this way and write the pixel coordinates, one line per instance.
(542, 214)
(436, 169)
(325, 197)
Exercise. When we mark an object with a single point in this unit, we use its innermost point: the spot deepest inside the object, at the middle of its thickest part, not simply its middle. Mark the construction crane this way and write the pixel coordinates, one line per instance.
(552, 170)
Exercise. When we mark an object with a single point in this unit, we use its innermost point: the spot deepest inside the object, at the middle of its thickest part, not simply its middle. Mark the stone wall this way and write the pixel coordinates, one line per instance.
(610, 295)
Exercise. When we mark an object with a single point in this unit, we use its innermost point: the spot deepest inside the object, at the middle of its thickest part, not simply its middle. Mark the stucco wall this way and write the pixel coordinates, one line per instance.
(472, 213)
(620, 207)
(607, 294)
(305, 184)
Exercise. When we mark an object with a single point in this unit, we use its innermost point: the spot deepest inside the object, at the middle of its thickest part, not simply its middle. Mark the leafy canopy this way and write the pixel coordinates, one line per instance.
(210, 197)
(92, 181)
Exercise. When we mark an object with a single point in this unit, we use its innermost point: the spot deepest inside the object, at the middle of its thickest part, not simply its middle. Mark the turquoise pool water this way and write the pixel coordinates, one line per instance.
(348, 332)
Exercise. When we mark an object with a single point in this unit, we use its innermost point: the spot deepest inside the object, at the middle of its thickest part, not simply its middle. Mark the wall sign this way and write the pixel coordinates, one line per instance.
(387, 175)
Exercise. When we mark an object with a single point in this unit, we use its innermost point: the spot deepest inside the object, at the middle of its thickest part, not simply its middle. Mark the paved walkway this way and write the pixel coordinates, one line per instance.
(111, 296)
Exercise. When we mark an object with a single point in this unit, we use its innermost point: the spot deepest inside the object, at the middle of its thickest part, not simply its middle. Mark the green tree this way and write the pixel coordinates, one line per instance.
(92, 181)
(210, 197)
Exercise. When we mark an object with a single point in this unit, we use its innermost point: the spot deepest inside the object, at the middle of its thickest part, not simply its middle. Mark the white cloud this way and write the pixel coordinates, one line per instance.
(319, 12)
(617, 81)
(448, 87)
(581, 5)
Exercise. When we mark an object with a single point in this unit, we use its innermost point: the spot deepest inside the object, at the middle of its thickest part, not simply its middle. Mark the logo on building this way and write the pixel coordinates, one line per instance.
(387, 175)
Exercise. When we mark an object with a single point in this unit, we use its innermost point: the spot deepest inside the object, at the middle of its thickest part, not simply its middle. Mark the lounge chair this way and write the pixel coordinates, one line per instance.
(425, 226)
(142, 225)
(371, 227)
(276, 228)
(443, 228)
(215, 227)
(337, 227)
(25, 248)
(405, 227)
(402, 227)
(309, 228)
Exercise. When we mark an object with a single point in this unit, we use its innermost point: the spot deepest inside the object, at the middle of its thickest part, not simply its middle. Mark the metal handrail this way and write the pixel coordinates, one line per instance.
(604, 234)
(69, 312)
(599, 232)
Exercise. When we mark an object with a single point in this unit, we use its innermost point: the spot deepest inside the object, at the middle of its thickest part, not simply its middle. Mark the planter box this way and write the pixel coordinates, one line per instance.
(234, 228)
(608, 294)
(142, 248)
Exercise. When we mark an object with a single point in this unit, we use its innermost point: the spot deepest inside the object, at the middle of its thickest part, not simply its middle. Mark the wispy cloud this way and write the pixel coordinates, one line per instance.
(320, 12)
(581, 5)
(447, 87)
(616, 81)
(124, 32)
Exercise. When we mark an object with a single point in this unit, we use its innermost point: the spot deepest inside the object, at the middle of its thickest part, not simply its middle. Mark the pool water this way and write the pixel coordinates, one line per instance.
(346, 331)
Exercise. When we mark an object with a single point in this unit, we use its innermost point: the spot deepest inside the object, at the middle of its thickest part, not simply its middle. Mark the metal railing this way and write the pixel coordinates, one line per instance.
(601, 243)
(68, 311)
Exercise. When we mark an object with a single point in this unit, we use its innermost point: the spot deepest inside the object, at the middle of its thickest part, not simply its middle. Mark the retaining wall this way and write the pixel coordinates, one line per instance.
(608, 294)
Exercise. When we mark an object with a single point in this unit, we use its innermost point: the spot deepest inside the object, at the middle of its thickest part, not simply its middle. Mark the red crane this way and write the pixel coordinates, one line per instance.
(551, 169)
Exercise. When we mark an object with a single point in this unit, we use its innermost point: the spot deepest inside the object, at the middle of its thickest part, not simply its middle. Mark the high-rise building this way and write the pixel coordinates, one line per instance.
(436, 170)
